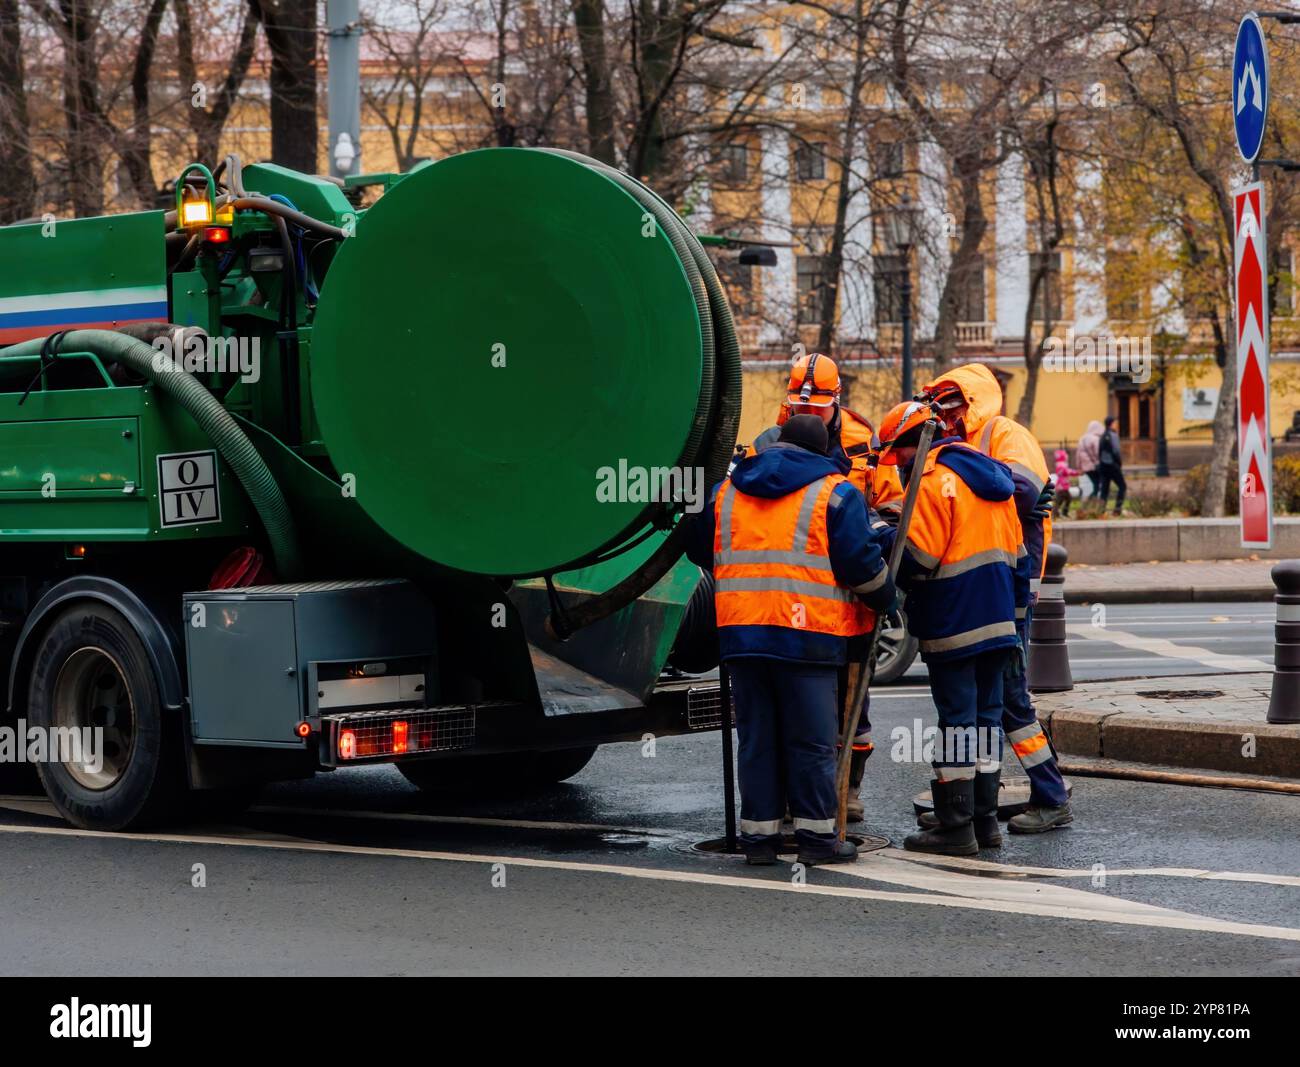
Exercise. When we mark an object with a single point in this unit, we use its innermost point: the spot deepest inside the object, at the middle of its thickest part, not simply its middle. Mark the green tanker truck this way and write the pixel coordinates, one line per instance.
(289, 485)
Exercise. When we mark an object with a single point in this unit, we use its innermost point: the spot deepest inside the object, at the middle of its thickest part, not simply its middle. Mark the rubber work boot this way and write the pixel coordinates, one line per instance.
(985, 822)
(760, 855)
(954, 806)
(1038, 820)
(842, 852)
(857, 768)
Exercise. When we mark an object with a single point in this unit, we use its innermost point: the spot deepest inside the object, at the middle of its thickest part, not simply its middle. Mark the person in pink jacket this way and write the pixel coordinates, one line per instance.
(1063, 473)
(1088, 456)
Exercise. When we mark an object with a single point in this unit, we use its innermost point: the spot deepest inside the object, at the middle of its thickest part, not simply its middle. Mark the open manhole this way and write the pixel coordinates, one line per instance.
(717, 846)
(1180, 694)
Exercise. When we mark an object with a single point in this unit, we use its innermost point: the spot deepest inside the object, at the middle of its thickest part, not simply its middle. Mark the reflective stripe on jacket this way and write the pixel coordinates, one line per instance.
(962, 555)
(772, 566)
(1006, 440)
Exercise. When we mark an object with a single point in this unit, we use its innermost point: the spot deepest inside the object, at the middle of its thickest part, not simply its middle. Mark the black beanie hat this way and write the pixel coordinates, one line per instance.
(806, 431)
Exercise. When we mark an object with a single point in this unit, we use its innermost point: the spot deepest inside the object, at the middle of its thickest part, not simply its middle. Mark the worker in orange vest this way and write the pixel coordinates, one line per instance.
(798, 572)
(970, 400)
(961, 568)
(815, 389)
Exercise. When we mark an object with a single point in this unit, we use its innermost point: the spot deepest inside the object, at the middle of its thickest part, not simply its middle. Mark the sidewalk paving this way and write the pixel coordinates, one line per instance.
(1210, 722)
(1147, 583)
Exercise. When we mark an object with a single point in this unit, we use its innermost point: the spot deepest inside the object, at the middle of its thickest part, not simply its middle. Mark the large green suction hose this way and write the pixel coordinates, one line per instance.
(713, 436)
(231, 441)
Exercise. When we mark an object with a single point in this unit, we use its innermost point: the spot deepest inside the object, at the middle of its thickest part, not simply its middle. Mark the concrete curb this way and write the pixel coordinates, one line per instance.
(1104, 541)
(1080, 593)
(1174, 742)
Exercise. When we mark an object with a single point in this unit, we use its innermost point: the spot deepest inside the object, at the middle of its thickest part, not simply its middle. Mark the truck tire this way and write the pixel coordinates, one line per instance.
(895, 650)
(696, 649)
(507, 772)
(91, 671)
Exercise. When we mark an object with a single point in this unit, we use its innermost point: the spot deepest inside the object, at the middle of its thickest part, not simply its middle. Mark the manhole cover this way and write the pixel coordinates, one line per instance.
(716, 846)
(1180, 694)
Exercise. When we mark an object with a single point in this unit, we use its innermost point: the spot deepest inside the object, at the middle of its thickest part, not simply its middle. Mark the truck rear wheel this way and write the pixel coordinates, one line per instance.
(91, 678)
(503, 773)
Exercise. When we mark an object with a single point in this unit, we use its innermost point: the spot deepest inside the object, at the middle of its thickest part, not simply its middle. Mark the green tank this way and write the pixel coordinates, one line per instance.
(501, 383)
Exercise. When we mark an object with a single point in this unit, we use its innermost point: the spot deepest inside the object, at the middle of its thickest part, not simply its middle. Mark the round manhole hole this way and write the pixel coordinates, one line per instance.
(716, 846)
(1180, 694)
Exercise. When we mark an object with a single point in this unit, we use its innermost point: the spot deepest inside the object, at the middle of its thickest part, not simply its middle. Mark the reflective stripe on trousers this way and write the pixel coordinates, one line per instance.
(1030, 745)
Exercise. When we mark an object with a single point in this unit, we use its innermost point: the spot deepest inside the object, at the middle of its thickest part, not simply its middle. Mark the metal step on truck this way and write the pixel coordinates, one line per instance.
(303, 475)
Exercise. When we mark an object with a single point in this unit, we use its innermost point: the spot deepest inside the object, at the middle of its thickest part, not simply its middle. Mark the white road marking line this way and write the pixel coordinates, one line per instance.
(1249, 631)
(1073, 614)
(1069, 904)
(41, 806)
(1078, 661)
(461, 820)
(967, 863)
(1161, 647)
(883, 867)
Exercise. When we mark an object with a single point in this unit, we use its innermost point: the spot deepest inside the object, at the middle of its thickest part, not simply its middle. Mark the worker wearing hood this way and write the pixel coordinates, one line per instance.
(970, 399)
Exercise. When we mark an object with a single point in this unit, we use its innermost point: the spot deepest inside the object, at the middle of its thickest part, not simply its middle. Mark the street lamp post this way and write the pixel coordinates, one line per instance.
(1162, 442)
(902, 232)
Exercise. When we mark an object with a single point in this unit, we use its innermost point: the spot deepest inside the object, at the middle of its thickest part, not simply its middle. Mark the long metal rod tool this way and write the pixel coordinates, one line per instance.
(728, 759)
(859, 680)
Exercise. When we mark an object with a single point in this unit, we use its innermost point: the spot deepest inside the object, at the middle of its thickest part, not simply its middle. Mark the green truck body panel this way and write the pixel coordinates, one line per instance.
(105, 253)
(402, 449)
(81, 465)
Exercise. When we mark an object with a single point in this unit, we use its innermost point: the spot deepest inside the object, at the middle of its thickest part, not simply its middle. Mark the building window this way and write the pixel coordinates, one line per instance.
(969, 282)
(1123, 292)
(733, 163)
(810, 162)
(887, 158)
(738, 281)
(1047, 300)
(887, 277)
(811, 279)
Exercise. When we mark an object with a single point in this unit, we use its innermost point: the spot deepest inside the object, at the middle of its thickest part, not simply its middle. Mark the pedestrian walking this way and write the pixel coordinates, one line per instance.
(1088, 456)
(1110, 467)
(1062, 474)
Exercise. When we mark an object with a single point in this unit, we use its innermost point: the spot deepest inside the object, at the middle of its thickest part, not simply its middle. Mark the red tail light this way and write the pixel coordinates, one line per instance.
(347, 744)
(399, 736)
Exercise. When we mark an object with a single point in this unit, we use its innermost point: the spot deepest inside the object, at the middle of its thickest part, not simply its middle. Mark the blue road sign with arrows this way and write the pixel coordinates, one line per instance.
(1250, 87)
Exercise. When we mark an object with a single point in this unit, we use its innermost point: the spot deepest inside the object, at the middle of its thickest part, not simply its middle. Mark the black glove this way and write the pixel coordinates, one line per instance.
(1043, 508)
(889, 514)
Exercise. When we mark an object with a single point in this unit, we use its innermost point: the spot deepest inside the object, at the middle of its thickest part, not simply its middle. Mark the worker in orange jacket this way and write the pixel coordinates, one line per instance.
(798, 572)
(970, 400)
(961, 569)
(815, 389)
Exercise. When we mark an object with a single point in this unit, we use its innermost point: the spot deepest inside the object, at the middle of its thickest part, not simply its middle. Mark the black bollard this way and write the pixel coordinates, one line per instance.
(1049, 656)
(1284, 701)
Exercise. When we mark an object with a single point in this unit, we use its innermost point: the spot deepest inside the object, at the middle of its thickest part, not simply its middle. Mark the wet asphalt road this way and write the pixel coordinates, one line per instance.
(357, 873)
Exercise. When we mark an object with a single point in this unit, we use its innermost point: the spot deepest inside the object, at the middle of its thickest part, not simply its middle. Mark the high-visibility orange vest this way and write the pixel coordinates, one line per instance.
(772, 566)
(1015, 445)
